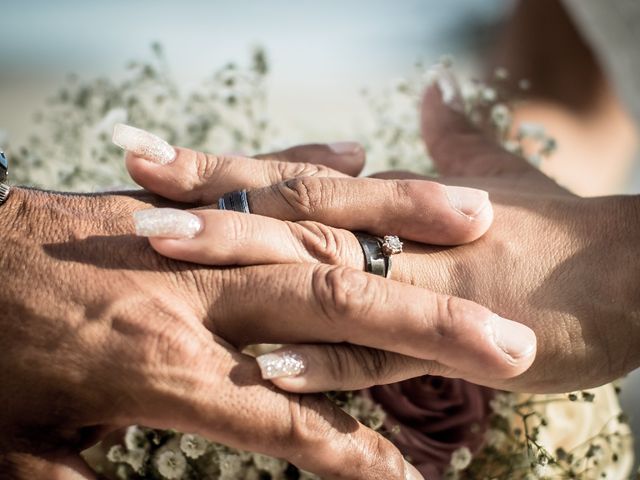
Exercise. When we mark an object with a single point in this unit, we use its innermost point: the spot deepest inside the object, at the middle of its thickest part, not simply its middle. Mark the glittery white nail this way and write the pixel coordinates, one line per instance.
(166, 222)
(447, 84)
(143, 144)
(281, 364)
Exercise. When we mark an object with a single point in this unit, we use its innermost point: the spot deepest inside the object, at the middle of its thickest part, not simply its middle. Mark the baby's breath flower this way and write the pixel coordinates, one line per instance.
(501, 73)
(461, 458)
(501, 116)
(489, 94)
(193, 446)
(531, 129)
(524, 84)
(135, 438)
(116, 454)
(502, 404)
(170, 464)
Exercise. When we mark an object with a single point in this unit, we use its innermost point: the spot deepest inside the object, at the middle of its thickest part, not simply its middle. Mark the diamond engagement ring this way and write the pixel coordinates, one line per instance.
(391, 245)
(377, 252)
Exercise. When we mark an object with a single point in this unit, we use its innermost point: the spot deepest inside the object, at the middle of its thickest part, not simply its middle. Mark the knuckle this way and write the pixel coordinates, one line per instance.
(295, 167)
(304, 195)
(342, 292)
(231, 229)
(381, 458)
(375, 365)
(338, 364)
(403, 190)
(206, 166)
(310, 424)
(449, 313)
(320, 241)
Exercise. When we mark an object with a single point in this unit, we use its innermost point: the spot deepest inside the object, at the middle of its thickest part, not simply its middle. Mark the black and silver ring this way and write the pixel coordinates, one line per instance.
(5, 189)
(236, 201)
(377, 252)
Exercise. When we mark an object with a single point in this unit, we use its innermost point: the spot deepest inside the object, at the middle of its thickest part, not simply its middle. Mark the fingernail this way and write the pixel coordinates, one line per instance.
(144, 144)
(281, 364)
(468, 201)
(344, 148)
(411, 473)
(166, 222)
(443, 77)
(515, 339)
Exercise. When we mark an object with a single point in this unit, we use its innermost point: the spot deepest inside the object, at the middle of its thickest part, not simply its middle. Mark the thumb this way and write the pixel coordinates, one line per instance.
(456, 146)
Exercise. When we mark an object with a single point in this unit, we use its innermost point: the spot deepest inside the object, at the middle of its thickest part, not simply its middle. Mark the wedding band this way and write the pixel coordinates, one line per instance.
(377, 252)
(5, 189)
(236, 201)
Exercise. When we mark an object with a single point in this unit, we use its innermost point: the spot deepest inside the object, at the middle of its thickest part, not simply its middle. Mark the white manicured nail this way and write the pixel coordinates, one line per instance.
(448, 86)
(515, 339)
(144, 144)
(468, 201)
(344, 148)
(281, 364)
(166, 222)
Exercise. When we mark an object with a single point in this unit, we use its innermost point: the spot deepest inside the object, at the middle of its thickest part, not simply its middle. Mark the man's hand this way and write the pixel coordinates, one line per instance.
(99, 332)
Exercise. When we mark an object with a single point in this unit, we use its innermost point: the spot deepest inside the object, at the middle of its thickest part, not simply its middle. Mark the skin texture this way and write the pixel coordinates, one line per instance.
(558, 263)
(100, 332)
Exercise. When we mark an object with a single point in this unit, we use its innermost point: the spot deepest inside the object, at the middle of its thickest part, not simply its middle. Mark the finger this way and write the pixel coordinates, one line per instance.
(323, 304)
(219, 395)
(324, 368)
(22, 466)
(417, 210)
(185, 175)
(345, 157)
(232, 238)
(456, 146)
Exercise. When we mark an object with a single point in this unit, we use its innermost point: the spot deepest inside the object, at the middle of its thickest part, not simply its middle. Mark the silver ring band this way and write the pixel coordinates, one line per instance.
(236, 201)
(4, 192)
(5, 189)
(375, 260)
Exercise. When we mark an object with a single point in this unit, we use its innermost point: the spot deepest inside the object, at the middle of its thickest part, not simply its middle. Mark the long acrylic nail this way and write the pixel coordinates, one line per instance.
(166, 222)
(144, 144)
(513, 338)
(345, 148)
(281, 364)
(443, 77)
(411, 473)
(468, 201)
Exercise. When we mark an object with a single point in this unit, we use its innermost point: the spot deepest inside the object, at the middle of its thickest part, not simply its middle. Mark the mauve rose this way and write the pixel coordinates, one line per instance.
(436, 416)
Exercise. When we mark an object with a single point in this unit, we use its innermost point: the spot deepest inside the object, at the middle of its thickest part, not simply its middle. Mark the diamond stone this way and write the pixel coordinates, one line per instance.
(391, 245)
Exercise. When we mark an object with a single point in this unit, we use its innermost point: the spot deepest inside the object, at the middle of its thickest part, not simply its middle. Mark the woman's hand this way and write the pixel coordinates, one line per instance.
(469, 340)
(547, 262)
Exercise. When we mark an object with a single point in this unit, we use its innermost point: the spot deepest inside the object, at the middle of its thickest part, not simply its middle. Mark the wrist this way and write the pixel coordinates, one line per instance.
(624, 242)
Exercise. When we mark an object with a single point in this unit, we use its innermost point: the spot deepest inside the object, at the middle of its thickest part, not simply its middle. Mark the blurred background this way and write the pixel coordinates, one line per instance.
(321, 55)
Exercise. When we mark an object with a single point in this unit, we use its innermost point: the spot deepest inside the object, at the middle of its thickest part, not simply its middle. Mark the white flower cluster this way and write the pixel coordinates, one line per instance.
(70, 147)
(582, 435)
